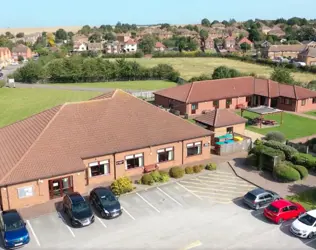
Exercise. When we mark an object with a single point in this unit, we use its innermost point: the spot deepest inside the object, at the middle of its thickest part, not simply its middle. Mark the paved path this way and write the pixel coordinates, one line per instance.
(253, 135)
(302, 115)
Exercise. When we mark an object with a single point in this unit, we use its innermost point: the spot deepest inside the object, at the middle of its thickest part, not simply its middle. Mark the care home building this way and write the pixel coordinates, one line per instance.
(76, 146)
(199, 97)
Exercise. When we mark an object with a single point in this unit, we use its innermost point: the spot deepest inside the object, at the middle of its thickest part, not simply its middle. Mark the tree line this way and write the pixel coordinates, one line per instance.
(80, 69)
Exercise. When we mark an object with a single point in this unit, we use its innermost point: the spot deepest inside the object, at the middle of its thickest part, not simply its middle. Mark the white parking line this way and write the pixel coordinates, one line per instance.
(229, 182)
(193, 245)
(310, 241)
(169, 196)
(31, 228)
(128, 213)
(220, 177)
(68, 227)
(151, 205)
(188, 190)
(101, 222)
(190, 186)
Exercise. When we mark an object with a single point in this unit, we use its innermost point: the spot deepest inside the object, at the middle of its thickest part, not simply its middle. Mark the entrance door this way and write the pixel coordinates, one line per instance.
(60, 187)
(274, 102)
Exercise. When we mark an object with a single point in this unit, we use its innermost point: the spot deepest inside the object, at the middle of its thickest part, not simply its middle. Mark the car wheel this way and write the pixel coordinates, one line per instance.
(103, 214)
(280, 221)
(311, 235)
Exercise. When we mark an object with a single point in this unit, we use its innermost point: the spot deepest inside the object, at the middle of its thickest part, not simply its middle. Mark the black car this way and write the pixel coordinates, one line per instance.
(105, 202)
(78, 210)
(259, 198)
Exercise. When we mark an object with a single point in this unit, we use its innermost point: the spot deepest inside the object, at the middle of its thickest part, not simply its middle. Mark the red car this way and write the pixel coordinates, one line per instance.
(281, 210)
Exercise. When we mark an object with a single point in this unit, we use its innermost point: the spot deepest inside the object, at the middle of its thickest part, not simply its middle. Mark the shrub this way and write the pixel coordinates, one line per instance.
(285, 173)
(176, 172)
(155, 175)
(147, 179)
(197, 169)
(122, 185)
(164, 176)
(288, 150)
(305, 160)
(260, 149)
(211, 166)
(2, 83)
(189, 170)
(275, 136)
(252, 160)
(202, 166)
(302, 170)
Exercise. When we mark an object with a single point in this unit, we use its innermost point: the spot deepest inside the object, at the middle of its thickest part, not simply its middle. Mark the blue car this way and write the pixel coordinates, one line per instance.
(13, 229)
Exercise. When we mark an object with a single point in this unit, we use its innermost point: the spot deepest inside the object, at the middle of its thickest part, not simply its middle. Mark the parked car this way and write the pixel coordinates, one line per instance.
(105, 202)
(259, 197)
(13, 229)
(305, 225)
(78, 210)
(282, 210)
(14, 63)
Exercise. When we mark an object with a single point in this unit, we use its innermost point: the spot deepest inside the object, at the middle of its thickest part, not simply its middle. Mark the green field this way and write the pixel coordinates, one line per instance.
(127, 85)
(17, 104)
(293, 126)
(189, 67)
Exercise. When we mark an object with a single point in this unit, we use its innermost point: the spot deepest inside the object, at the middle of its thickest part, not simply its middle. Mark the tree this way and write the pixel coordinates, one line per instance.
(191, 44)
(214, 22)
(254, 35)
(205, 22)
(9, 35)
(147, 44)
(165, 26)
(282, 75)
(50, 39)
(61, 35)
(85, 30)
(20, 58)
(225, 72)
(110, 36)
(5, 42)
(203, 37)
(70, 34)
(225, 23)
(95, 38)
(181, 43)
(312, 85)
(20, 35)
(245, 47)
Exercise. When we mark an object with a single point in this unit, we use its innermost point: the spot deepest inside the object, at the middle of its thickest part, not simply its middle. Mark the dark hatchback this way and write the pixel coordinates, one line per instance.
(13, 229)
(78, 210)
(259, 198)
(105, 202)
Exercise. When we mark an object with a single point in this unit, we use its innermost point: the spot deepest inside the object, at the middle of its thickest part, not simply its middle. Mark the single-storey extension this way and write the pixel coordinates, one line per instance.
(76, 146)
(199, 97)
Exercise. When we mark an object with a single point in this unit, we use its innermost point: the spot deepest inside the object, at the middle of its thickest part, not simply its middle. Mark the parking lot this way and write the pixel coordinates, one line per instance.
(202, 212)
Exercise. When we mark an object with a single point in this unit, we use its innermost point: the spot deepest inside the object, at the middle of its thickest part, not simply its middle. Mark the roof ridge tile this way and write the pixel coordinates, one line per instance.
(191, 87)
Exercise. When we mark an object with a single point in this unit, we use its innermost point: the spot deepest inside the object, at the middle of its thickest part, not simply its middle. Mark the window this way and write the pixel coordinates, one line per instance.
(25, 192)
(293, 208)
(282, 100)
(166, 154)
(314, 100)
(230, 130)
(303, 102)
(287, 101)
(194, 106)
(228, 103)
(194, 149)
(215, 104)
(99, 168)
(286, 209)
(134, 161)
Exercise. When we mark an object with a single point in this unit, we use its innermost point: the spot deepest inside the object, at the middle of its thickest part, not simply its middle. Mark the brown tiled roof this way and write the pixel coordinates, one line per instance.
(233, 87)
(159, 45)
(245, 40)
(287, 48)
(220, 118)
(20, 48)
(42, 148)
(309, 51)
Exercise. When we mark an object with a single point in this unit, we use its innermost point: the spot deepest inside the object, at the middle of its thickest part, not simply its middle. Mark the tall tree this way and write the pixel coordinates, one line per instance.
(110, 36)
(203, 37)
(282, 75)
(61, 35)
(245, 47)
(9, 35)
(205, 22)
(85, 30)
(20, 35)
(95, 38)
(225, 72)
(147, 44)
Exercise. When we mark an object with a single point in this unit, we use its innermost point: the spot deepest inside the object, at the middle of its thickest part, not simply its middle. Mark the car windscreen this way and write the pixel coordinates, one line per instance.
(273, 208)
(307, 219)
(80, 206)
(108, 200)
(13, 225)
(250, 196)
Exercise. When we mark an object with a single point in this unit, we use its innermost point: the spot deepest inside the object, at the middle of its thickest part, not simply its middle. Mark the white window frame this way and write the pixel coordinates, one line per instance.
(170, 149)
(139, 155)
(107, 170)
(29, 193)
(194, 144)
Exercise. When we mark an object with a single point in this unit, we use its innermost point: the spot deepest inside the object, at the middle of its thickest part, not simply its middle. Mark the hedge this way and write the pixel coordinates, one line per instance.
(122, 185)
(176, 172)
(275, 136)
(285, 173)
(147, 179)
(189, 170)
(287, 150)
(302, 170)
(197, 169)
(260, 149)
(156, 176)
(211, 166)
(164, 176)
(305, 160)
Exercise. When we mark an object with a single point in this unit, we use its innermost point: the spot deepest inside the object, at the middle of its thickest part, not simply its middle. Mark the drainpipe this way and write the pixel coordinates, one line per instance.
(9, 206)
(114, 166)
(182, 151)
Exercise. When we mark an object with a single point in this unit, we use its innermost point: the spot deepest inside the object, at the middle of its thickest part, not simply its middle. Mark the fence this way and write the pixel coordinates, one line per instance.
(236, 147)
(147, 95)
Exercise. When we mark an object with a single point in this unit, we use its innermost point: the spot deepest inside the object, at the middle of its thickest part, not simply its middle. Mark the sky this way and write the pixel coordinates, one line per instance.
(39, 13)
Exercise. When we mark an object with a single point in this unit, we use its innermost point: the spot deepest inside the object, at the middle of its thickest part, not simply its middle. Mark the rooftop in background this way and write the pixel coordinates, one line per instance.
(263, 110)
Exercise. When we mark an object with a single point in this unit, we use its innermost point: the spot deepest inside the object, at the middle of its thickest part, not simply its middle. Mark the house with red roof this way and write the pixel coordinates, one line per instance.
(232, 93)
(159, 46)
(245, 40)
(129, 46)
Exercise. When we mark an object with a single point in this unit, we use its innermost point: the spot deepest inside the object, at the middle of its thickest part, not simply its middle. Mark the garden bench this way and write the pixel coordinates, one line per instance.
(150, 168)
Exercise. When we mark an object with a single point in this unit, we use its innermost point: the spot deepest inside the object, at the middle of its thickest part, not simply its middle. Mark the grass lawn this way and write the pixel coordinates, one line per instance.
(306, 198)
(189, 67)
(17, 104)
(133, 85)
(311, 113)
(293, 126)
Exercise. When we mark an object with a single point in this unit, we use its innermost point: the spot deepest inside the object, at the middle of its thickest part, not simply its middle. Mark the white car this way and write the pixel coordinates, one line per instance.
(305, 225)
(14, 63)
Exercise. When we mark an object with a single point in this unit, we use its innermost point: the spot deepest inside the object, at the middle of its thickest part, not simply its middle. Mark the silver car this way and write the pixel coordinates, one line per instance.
(259, 198)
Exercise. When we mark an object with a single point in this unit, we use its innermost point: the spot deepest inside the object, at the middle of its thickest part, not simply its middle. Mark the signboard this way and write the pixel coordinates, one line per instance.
(120, 162)
(25, 192)
(206, 145)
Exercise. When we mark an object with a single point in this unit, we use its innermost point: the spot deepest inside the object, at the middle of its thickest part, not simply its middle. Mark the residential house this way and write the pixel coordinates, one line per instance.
(218, 26)
(309, 43)
(113, 47)
(229, 42)
(245, 40)
(209, 43)
(21, 50)
(198, 97)
(162, 34)
(77, 146)
(159, 47)
(5, 57)
(129, 46)
(276, 31)
(186, 33)
(96, 47)
(79, 38)
(308, 55)
(80, 47)
(265, 29)
(123, 38)
(275, 51)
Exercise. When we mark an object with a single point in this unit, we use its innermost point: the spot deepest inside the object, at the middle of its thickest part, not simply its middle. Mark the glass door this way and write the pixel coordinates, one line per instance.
(60, 187)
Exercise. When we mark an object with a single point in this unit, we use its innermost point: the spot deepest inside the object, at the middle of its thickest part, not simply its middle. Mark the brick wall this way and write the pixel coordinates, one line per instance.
(164, 102)
(308, 106)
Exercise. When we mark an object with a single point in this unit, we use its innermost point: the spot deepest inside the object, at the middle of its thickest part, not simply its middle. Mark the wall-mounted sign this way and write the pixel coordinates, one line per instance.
(24, 192)
(206, 145)
(120, 162)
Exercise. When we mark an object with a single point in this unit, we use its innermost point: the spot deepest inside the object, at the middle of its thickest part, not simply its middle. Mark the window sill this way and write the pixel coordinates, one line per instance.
(189, 156)
(162, 162)
(134, 169)
(99, 176)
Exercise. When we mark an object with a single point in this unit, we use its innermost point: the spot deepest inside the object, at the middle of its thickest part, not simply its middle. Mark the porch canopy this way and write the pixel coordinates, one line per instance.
(262, 111)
